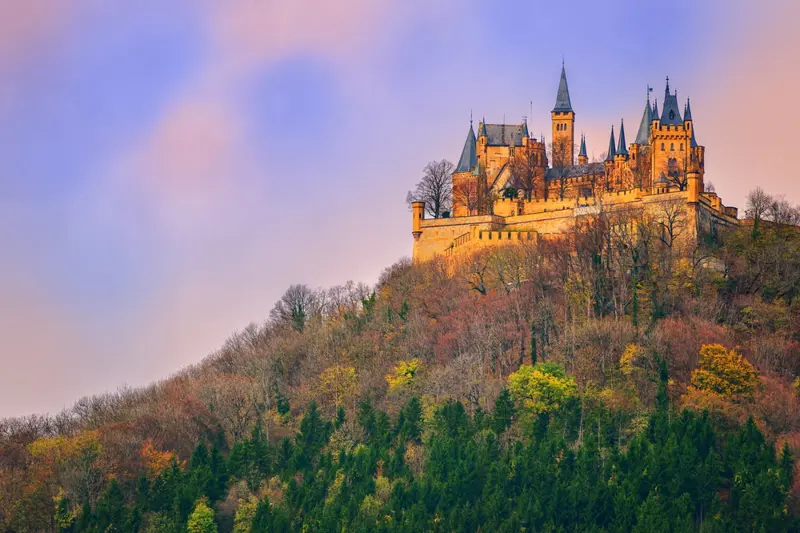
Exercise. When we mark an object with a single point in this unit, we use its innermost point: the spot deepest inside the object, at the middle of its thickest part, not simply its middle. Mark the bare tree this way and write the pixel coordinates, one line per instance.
(560, 151)
(466, 195)
(782, 212)
(643, 168)
(297, 305)
(671, 216)
(758, 206)
(527, 172)
(436, 188)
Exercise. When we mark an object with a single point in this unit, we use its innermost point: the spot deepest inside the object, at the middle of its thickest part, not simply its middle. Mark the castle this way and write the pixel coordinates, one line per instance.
(507, 185)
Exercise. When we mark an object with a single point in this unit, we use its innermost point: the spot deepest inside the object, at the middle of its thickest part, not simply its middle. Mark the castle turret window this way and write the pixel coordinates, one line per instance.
(681, 147)
(662, 147)
(671, 147)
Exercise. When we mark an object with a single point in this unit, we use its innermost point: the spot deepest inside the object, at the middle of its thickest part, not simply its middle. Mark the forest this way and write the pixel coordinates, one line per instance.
(618, 379)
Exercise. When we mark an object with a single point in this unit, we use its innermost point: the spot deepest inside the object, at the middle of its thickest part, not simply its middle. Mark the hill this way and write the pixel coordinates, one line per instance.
(609, 381)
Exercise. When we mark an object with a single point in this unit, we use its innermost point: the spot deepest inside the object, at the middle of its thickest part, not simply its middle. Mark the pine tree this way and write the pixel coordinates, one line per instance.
(503, 413)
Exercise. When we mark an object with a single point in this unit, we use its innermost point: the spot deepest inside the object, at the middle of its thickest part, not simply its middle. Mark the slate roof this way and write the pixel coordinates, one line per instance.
(694, 141)
(671, 115)
(612, 149)
(505, 134)
(687, 111)
(656, 116)
(575, 171)
(622, 149)
(643, 135)
(563, 102)
(469, 155)
(582, 152)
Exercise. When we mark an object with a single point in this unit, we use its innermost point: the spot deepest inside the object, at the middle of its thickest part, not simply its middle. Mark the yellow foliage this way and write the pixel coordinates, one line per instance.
(628, 359)
(403, 374)
(542, 388)
(724, 372)
(338, 381)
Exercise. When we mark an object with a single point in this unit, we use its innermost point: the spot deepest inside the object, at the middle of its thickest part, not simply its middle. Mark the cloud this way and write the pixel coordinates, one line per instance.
(248, 32)
(31, 27)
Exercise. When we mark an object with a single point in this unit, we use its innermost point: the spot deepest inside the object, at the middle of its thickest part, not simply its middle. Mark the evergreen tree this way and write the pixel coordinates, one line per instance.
(503, 413)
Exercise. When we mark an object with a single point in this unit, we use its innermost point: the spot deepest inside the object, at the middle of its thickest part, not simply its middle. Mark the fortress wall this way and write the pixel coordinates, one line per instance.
(438, 234)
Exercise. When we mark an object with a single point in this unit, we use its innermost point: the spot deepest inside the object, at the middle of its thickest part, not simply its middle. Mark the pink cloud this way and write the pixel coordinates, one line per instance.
(252, 31)
(30, 27)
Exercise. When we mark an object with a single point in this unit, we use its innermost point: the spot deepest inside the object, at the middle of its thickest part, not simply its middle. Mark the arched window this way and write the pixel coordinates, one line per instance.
(671, 147)
(662, 147)
(681, 147)
(671, 115)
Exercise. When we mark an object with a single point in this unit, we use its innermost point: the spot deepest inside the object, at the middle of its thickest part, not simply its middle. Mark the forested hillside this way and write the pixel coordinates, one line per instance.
(613, 380)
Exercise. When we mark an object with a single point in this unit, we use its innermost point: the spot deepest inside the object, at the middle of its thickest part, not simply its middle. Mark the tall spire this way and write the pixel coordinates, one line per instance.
(611, 146)
(687, 112)
(525, 128)
(582, 152)
(469, 155)
(656, 116)
(622, 149)
(563, 102)
(694, 141)
(643, 135)
(482, 128)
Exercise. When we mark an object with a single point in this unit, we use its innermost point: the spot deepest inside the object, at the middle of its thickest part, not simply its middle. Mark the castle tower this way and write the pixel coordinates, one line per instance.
(583, 159)
(670, 137)
(563, 118)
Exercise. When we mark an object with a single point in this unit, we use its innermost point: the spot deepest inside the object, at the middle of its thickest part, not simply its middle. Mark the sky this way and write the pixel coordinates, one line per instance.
(168, 169)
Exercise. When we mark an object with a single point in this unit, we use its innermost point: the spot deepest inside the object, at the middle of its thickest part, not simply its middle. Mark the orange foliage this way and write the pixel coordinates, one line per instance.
(155, 461)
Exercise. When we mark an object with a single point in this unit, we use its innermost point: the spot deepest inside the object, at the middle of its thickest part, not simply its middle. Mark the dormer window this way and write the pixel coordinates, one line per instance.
(672, 115)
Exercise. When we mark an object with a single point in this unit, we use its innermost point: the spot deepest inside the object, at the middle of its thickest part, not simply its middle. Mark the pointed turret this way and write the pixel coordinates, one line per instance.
(656, 116)
(687, 111)
(482, 128)
(643, 135)
(469, 155)
(622, 149)
(563, 103)
(583, 158)
(525, 128)
(671, 115)
(612, 150)
(694, 141)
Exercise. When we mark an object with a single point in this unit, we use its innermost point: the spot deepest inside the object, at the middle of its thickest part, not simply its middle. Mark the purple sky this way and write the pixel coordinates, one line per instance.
(167, 169)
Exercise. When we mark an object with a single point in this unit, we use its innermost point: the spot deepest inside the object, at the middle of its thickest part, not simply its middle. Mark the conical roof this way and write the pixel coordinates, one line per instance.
(622, 149)
(612, 149)
(582, 152)
(563, 102)
(687, 112)
(469, 155)
(643, 135)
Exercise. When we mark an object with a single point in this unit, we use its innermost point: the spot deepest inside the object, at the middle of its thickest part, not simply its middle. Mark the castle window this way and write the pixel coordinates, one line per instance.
(671, 147)
(681, 147)
(662, 147)
(671, 115)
